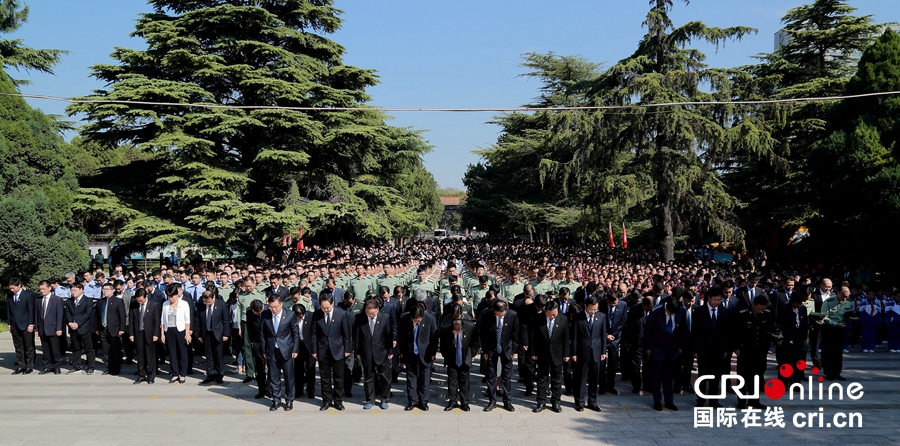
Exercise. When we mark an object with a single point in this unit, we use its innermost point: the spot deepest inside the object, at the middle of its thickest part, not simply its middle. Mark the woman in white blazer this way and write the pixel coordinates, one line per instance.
(175, 327)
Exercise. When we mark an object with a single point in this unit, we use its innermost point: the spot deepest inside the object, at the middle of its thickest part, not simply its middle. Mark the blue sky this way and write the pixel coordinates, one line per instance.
(431, 53)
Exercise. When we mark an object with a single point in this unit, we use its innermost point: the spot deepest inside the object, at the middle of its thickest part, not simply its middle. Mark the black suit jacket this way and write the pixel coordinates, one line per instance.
(662, 345)
(617, 327)
(778, 300)
(220, 320)
(287, 337)
(510, 336)
(792, 334)
(152, 316)
(49, 322)
(547, 348)
(334, 338)
(743, 295)
(21, 314)
(427, 340)
(392, 309)
(709, 340)
(373, 347)
(282, 292)
(634, 327)
(469, 343)
(589, 344)
(115, 316)
(81, 314)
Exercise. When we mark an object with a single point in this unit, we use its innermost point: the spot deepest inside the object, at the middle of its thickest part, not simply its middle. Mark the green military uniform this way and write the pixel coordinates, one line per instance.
(303, 300)
(360, 286)
(543, 286)
(752, 339)
(572, 286)
(225, 291)
(416, 285)
(244, 300)
(478, 293)
(512, 290)
(833, 336)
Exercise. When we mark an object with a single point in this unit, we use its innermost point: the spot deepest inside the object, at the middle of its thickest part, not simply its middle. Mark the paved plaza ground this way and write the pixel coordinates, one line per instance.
(101, 410)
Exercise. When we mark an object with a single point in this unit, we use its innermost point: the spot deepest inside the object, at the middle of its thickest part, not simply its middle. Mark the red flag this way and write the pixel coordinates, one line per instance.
(612, 244)
(624, 236)
(300, 240)
(284, 240)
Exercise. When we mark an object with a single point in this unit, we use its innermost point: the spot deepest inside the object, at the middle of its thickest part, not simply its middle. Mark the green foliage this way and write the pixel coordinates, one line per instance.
(243, 177)
(39, 236)
(13, 53)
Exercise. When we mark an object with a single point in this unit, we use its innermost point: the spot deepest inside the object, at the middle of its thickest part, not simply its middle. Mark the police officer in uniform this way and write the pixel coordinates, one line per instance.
(753, 327)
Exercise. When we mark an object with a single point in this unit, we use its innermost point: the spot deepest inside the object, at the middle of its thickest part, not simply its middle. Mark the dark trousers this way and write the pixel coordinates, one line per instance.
(491, 374)
(377, 381)
(587, 375)
(128, 348)
(526, 370)
(662, 374)
(81, 344)
(23, 341)
(259, 362)
(112, 350)
(627, 367)
(608, 370)
(395, 364)
(215, 350)
(305, 372)
(177, 348)
(640, 369)
(51, 353)
(715, 365)
(458, 382)
(683, 371)
(352, 373)
(418, 378)
(833, 351)
(749, 365)
(146, 356)
(332, 371)
(194, 349)
(815, 339)
(278, 364)
(549, 377)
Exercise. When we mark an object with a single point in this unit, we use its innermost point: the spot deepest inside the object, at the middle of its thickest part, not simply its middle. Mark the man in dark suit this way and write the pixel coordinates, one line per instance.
(254, 335)
(109, 324)
(664, 340)
(499, 332)
(79, 309)
(214, 327)
(459, 345)
(305, 364)
(794, 321)
(391, 305)
(280, 338)
(634, 337)
(332, 344)
(20, 316)
(823, 293)
(710, 333)
(548, 345)
(748, 293)
(144, 331)
(782, 296)
(589, 347)
(685, 362)
(752, 339)
(49, 315)
(373, 341)
(418, 341)
(565, 302)
(531, 307)
(432, 306)
(277, 288)
(615, 312)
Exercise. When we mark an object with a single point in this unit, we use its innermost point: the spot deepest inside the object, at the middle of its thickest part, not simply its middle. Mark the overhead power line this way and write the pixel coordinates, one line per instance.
(448, 109)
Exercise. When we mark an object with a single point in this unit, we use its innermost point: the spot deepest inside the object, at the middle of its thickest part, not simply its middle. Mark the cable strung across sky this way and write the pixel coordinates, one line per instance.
(458, 110)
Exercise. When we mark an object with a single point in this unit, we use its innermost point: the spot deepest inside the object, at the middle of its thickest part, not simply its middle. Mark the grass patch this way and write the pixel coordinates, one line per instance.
(4, 327)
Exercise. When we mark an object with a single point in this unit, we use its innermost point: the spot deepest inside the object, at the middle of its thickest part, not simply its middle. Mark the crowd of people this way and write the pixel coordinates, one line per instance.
(576, 320)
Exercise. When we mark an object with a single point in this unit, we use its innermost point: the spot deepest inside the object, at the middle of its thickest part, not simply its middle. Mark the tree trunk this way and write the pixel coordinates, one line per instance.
(664, 226)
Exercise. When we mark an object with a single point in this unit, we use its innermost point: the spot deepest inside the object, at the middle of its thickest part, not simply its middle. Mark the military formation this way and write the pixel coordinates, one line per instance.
(574, 321)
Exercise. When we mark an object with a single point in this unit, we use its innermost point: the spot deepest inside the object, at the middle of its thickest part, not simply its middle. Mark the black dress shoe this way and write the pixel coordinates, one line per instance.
(151, 380)
(409, 407)
(555, 408)
(44, 372)
(579, 408)
(508, 407)
(18, 371)
(612, 392)
(490, 406)
(105, 372)
(28, 371)
(465, 408)
(539, 408)
(57, 371)
(593, 407)
(311, 395)
(671, 406)
(90, 371)
(247, 380)
(138, 381)
(449, 407)
(289, 406)
(324, 407)
(220, 381)
(423, 407)
(208, 380)
(339, 406)
(259, 396)
(657, 406)
(274, 407)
